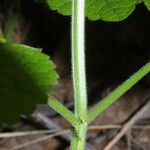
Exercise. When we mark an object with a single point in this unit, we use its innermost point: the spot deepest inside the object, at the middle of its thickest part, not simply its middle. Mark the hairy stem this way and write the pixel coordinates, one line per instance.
(78, 59)
(63, 111)
(113, 96)
(79, 75)
(78, 137)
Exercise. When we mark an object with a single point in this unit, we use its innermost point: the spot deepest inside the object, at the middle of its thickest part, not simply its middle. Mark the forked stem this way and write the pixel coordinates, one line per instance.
(79, 75)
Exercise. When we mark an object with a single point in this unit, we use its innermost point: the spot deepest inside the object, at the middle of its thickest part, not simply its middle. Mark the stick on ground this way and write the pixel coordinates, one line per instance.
(136, 116)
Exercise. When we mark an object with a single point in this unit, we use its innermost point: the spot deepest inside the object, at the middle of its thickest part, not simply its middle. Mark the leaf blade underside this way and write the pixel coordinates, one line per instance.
(107, 10)
(26, 76)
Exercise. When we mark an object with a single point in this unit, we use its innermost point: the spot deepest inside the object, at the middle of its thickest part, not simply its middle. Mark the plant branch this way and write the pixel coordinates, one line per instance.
(63, 111)
(112, 97)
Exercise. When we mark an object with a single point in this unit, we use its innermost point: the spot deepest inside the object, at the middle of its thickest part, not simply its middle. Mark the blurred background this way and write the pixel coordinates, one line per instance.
(114, 51)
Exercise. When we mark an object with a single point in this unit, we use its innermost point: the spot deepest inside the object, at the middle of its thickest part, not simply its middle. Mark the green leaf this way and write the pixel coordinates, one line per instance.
(26, 76)
(108, 10)
(147, 3)
(62, 6)
(139, 1)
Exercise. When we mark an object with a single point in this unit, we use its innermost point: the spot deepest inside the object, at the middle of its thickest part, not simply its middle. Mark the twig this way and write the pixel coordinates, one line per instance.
(139, 114)
(40, 139)
(49, 124)
(39, 132)
(129, 139)
(26, 133)
(60, 133)
(138, 144)
(117, 126)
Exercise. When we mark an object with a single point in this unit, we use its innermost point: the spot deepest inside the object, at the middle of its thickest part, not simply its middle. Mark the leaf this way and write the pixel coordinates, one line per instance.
(62, 6)
(108, 10)
(147, 3)
(139, 1)
(26, 76)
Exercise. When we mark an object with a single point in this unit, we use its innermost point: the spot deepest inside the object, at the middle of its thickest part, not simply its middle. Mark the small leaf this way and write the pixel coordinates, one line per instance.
(147, 3)
(26, 76)
(108, 10)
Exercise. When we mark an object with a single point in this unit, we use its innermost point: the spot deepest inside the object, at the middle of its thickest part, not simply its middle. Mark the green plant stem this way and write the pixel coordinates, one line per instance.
(78, 59)
(112, 97)
(63, 111)
(79, 75)
(78, 137)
